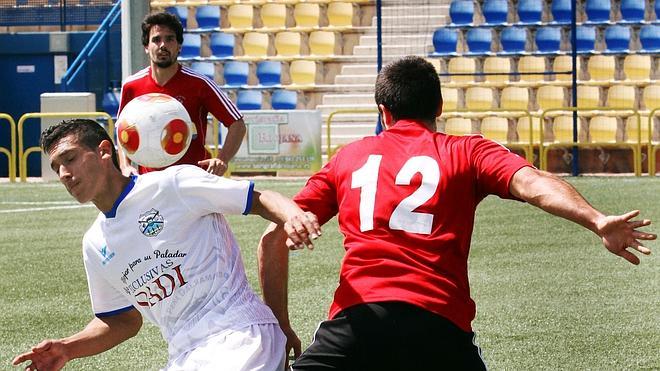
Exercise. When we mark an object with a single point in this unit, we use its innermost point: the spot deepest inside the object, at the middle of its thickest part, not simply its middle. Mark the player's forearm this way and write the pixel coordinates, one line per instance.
(102, 334)
(233, 142)
(555, 196)
(273, 206)
(273, 262)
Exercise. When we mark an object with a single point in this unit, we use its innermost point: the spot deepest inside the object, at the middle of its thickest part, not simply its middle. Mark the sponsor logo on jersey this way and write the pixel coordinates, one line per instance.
(151, 223)
(106, 254)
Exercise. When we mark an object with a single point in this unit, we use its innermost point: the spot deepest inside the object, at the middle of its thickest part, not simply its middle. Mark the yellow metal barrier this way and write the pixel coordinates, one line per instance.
(329, 150)
(24, 153)
(11, 153)
(652, 147)
(636, 147)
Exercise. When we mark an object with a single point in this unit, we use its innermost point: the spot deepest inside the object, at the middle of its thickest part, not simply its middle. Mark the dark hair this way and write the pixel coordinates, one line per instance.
(410, 88)
(88, 133)
(162, 19)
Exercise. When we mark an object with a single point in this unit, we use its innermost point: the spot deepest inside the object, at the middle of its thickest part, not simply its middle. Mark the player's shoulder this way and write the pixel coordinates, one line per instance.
(136, 77)
(93, 237)
(191, 75)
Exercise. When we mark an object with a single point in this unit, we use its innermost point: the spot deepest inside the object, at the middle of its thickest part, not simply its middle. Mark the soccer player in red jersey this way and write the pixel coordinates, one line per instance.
(162, 36)
(406, 201)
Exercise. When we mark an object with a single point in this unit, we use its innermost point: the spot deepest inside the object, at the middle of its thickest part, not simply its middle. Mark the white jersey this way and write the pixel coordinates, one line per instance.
(166, 250)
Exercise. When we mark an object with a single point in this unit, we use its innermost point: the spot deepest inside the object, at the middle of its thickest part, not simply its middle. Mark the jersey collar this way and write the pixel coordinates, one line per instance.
(122, 196)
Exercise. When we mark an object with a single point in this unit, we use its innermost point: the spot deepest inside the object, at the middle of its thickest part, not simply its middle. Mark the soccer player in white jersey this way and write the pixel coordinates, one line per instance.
(161, 249)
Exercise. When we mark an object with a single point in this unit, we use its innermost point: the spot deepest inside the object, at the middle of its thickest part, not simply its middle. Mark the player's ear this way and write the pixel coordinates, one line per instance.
(385, 116)
(105, 149)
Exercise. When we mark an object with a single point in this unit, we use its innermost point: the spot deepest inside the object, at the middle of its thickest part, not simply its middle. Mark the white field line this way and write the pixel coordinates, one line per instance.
(44, 208)
(37, 203)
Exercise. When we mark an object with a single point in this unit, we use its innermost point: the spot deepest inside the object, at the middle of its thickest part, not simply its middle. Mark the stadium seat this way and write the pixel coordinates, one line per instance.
(523, 130)
(598, 11)
(284, 99)
(287, 44)
(302, 73)
(340, 15)
(514, 98)
(306, 15)
(564, 63)
(240, 17)
(649, 36)
(651, 97)
(444, 42)
(530, 12)
(633, 134)
(550, 97)
(248, 100)
(617, 39)
(222, 45)
(479, 41)
(269, 73)
(548, 40)
(588, 96)
(632, 11)
(478, 98)
(322, 44)
(561, 11)
(499, 65)
(562, 129)
(255, 45)
(208, 17)
(495, 12)
(449, 98)
(637, 68)
(191, 46)
(495, 128)
(204, 68)
(621, 96)
(461, 13)
(273, 17)
(461, 65)
(586, 39)
(458, 126)
(532, 69)
(236, 73)
(513, 40)
(601, 70)
(181, 12)
(602, 129)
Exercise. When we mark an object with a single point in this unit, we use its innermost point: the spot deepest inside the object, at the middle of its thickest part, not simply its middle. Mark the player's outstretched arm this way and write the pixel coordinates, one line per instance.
(619, 233)
(273, 262)
(233, 141)
(300, 226)
(98, 336)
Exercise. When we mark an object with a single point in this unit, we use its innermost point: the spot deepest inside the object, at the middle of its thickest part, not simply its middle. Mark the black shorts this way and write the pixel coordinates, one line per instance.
(390, 336)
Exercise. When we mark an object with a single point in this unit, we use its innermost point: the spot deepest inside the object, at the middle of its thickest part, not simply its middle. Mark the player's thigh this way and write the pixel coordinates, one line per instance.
(332, 348)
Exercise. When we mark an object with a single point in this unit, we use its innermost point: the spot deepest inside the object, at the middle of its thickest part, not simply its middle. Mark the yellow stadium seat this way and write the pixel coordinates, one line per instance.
(240, 17)
(550, 97)
(461, 65)
(633, 129)
(255, 45)
(531, 64)
(588, 96)
(602, 129)
(637, 68)
(523, 130)
(458, 126)
(322, 44)
(287, 44)
(449, 98)
(273, 16)
(564, 63)
(495, 128)
(601, 70)
(302, 73)
(497, 65)
(651, 97)
(340, 15)
(514, 98)
(621, 96)
(562, 129)
(306, 15)
(478, 98)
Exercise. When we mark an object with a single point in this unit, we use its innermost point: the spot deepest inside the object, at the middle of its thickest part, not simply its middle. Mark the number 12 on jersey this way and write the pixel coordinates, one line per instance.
(403, 217)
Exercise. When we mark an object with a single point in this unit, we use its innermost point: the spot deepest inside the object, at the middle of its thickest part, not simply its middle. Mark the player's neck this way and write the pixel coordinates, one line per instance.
(162, 75)
(115, 186)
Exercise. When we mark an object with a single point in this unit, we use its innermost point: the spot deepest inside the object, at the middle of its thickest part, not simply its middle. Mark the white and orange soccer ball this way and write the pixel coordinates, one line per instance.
(154, 130)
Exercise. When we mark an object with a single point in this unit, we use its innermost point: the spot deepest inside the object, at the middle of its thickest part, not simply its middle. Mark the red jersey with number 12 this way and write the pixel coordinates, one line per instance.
(406, 201)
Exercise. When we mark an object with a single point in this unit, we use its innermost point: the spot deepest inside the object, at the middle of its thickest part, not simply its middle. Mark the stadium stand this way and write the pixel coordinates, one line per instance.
(495, 12)
(532, 69)
(273, 17)
(479, 98)
(495, 128)
(548, 40)
(222, 45)
(449, 98)
(240, 17)
(208, 18)
(514, 98)
(649, 36)
(303, 74)
(585, 39)
(249, 100)
(191, 47)
(322, 44)
(204, 68)
(458, 126)
(601, 70)
(284, 99)
(269, 73)
(340, 16)
(288, 44)
(462, 70)
(617, 39)
(513, 40)
(632, 11)
(637, 69)
(479, 41)
(561, 11)
(236, 74)
(444, 42)
(181, 12)
(461, 13)
(255, 46)
(530, 12)
(497, 65)
(598, 11)
(307, 16)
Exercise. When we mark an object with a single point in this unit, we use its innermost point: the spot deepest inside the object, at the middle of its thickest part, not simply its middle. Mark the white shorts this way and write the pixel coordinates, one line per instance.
(255, 347)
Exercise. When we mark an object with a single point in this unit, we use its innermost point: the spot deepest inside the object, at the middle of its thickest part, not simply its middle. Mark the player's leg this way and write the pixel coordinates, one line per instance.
(331, 349)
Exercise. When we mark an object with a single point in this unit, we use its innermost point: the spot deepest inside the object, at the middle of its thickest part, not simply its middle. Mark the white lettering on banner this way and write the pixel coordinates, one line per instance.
(25, 68)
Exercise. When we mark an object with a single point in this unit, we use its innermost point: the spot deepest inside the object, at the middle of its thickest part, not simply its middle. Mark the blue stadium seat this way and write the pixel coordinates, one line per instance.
(204, 68)
(191, 46)
(548, 40)
(222, 45)
(208, 17)
(236, 73)
(495, 12)
(247, 100)
(649, 37)
(632, 11)
(586, 39)
(617, 39)
(269, 73)
(444, 42)
(479, 41)
(513, 40)
(657, 12)
(181, 12)
(561, 11)
(284, 99)
(598, 11)
(530, 11)
(461, 12)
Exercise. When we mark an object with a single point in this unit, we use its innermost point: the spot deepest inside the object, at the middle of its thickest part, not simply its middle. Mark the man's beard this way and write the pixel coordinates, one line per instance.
(165, 63)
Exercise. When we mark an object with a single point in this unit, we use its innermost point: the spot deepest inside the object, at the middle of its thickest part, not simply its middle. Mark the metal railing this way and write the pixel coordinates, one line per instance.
(11, 152)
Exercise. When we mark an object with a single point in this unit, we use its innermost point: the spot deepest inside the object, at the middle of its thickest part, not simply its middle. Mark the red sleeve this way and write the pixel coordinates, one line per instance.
(126, 96)
(218, 104)
(320, 194)
(495, 165)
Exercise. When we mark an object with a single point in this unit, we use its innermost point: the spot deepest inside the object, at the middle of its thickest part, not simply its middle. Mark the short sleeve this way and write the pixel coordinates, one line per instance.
(219, 105)
(320, 194)
(209, 193)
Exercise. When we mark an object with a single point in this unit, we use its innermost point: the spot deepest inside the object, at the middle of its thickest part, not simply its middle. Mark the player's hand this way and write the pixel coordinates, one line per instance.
(302, 229)
(620, 233)
(292, 343)
(214, 166)
(49, 355)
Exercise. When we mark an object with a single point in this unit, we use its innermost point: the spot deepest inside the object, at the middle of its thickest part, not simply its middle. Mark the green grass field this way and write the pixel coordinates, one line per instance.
(548, 295)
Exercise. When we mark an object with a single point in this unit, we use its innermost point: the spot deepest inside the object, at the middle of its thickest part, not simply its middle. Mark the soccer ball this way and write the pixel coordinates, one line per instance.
(154, 130)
